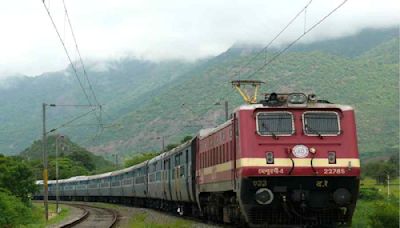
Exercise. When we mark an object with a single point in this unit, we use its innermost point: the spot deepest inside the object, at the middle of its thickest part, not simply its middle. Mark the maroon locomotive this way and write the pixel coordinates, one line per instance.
(289, 160)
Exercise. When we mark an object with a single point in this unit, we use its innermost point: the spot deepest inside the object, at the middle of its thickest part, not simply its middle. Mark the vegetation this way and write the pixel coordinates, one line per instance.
(186, 138)
(139, 158)
(13, 211)
(54, 218)
(144, 99)
(380, 169)
(17, 184)
(141, 220)
(16, 178)
(73, 160)
(375, 208)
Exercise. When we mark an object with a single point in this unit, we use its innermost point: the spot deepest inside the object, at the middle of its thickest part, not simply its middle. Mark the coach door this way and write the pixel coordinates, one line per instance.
(234, 145)
(167, 179)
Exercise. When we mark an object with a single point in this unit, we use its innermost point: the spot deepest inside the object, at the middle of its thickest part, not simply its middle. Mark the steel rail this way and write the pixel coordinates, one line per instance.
(86, 214)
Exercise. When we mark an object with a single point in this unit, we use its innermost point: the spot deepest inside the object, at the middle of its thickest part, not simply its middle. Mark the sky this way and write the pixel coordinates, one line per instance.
(163, 30)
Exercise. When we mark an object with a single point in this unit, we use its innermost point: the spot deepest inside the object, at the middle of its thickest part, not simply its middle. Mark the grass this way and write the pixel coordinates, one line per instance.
(362, 212)
(38, 211)
(394, 186)
(140, 221)
(364, 207)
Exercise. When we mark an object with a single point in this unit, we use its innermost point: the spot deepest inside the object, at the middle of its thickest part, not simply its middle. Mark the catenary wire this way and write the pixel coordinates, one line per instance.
(72, 120)
(69, 58)
(264, 49)
(79, 53)
(67, 53)
(296, 40)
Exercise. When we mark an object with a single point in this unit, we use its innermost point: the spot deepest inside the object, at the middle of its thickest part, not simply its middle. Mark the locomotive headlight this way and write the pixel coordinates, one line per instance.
(342, 196)
(300, 151)
(264, 196)
(297, 98)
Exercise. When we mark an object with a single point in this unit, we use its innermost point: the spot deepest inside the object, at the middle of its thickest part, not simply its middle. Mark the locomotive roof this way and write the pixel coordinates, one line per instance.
(308, 106)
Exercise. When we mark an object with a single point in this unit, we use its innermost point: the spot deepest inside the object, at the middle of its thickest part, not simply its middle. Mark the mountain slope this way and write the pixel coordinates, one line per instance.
(366, 82)
(144, 99)
(35, 152)
(116, 86)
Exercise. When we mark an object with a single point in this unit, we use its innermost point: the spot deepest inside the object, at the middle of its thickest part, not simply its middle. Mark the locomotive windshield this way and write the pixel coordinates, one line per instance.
(321, 123)
(275, 123)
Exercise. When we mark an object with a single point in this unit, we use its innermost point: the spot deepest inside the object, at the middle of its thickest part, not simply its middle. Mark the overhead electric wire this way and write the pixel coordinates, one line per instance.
(276, 37)
(290, 45)
(71, 62)
(296, 40)
(72, 120)
(264, 49)
(74, 105)
(67, 53)
(79, 54)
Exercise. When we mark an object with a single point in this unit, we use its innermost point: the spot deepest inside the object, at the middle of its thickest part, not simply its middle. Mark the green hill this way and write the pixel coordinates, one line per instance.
(73, 159)
(144, 99)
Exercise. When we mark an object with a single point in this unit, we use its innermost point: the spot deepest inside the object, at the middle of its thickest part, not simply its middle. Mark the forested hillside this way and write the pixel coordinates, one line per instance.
(73, 159)
(144, 100)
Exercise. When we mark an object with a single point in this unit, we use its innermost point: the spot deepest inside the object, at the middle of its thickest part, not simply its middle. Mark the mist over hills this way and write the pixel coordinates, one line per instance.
(143, 99)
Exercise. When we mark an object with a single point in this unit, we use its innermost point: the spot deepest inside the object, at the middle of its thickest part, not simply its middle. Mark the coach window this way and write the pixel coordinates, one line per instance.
(209, 158)
(221, 152)
(214, 156)
(217, 155)
(275, 123)
(321, 123)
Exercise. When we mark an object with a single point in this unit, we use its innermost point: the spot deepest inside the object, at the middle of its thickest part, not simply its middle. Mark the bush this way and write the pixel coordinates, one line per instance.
(17, 177)
(370, 194)
(13, 212)
(385, 214)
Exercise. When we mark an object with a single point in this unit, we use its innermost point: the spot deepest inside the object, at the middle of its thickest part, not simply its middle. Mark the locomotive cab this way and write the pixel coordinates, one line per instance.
(296, 161)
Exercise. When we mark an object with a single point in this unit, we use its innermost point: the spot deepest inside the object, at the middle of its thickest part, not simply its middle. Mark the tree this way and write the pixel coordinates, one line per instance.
(17, 177)
(67, 168)
(84, 158)
(382, 168)
(13, 212)
(171, 146)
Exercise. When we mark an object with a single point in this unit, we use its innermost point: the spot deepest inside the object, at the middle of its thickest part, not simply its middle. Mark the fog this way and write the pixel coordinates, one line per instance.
(174, 29)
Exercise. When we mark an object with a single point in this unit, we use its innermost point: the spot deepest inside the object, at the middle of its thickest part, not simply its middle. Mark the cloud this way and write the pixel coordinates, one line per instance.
(173, 29)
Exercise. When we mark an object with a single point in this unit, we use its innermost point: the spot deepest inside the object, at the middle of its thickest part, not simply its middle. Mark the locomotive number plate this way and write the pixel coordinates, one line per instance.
(260, 183)
(332, 171)
(270, 171)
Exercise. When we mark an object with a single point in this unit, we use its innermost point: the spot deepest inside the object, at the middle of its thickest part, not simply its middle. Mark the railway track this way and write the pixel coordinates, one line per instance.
(93, 216)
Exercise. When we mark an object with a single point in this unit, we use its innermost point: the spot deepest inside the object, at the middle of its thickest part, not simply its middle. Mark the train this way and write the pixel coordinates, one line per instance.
(288, 160)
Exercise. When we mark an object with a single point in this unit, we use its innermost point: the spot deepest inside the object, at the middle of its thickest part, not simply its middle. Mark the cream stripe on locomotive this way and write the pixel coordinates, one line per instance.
(282, 162)
(298, 162)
